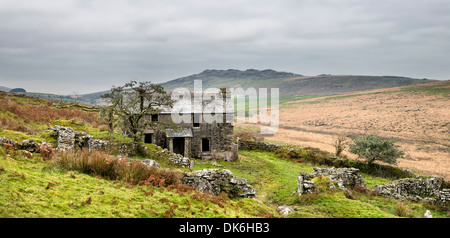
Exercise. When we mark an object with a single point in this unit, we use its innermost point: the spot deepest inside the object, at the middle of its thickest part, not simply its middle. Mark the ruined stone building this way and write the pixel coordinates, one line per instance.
(196, 136)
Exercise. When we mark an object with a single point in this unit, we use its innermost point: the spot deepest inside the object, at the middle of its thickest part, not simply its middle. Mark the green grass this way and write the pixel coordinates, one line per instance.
(272, 177)
(29, 187)
(334, 203)
(276, 180)
(442, 88)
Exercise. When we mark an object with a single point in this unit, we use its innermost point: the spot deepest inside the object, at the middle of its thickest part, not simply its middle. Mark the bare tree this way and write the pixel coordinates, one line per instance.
(340, 144)
(132, 102)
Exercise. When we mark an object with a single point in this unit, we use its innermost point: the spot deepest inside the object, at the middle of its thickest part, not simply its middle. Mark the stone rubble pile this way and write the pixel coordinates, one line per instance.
(28, 145)
(177, 159)
(344, 177)
(215, 181)
(68, 139)
(416, 189)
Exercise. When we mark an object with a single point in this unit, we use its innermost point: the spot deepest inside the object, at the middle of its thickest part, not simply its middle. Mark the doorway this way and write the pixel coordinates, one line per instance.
(178, 145)
(148, 138)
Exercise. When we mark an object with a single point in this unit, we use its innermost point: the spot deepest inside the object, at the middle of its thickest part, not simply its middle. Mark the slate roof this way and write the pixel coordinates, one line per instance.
(207, 103)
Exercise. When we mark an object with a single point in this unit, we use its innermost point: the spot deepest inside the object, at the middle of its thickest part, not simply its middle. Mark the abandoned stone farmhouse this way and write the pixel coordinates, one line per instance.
(196, 137)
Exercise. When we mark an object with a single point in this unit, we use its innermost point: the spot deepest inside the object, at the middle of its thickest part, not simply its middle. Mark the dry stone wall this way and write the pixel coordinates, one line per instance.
(257, 145)
(419, 189)
(28, 145)
(68, 139)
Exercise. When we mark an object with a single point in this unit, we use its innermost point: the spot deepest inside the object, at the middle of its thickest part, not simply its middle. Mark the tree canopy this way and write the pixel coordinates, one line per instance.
(373, 148)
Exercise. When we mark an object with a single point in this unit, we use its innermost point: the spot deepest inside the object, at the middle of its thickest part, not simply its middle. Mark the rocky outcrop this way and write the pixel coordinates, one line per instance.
(344, 177)
(215, 181)
(418, 189)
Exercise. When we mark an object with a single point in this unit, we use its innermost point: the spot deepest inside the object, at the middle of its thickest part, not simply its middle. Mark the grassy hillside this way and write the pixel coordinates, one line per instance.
(33, 185)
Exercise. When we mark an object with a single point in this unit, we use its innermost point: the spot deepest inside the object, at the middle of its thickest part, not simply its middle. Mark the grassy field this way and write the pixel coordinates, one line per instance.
(276, 180)
(31, 187)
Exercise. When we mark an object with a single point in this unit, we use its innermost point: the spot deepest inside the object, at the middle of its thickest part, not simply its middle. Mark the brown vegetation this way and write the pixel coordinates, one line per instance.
(416, 118)
(98, 163)
(22, 113)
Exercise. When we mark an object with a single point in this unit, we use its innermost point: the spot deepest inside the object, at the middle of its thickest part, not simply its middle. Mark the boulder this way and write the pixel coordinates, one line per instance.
(427, 214)
(150, 163)
(284, 210)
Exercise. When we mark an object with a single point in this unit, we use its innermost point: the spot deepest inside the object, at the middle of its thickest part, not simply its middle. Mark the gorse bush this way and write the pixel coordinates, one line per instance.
(100, 164)
(373, 148)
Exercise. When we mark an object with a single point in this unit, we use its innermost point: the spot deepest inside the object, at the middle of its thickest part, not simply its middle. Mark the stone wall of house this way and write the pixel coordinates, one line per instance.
(416, 189)
(344, 177)
(220, 136)
(215, 181)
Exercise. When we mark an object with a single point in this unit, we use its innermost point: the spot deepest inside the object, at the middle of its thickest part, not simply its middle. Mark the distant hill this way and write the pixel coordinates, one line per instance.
(18, 90)
(4, 89)
(291, 84)
(232, 78)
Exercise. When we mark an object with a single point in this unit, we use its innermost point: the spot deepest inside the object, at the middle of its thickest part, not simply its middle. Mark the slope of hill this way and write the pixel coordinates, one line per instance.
(32, 185)
(5, 89)
(290, 84)
(232, 78)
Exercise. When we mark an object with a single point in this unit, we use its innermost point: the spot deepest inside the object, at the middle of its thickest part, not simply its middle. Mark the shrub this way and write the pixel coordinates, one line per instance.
(46, 151)
(99, 163)
(402, 210)
(372, 148)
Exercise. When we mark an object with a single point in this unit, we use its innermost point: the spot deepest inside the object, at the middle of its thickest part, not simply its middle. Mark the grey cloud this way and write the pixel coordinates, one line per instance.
(91, 45)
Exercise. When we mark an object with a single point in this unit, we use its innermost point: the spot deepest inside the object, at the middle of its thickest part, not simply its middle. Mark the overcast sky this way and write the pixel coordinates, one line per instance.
(86, 46)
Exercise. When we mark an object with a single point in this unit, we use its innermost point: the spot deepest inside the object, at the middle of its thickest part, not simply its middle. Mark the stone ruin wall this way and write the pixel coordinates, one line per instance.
(215, 181)
(411, 189)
